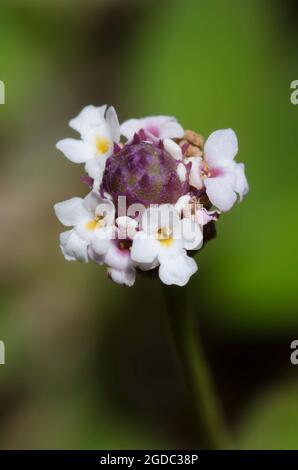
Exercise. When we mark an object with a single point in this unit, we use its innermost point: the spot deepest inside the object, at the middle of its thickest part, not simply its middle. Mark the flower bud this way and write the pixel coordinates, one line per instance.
(145, 173)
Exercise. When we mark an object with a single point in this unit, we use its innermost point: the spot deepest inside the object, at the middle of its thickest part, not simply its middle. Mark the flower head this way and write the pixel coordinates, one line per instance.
(145, 173)
(173, 186)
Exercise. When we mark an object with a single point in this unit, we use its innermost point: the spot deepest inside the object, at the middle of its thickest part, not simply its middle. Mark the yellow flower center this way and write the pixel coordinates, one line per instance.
(164, 236)
(102, 145)
(97, 222)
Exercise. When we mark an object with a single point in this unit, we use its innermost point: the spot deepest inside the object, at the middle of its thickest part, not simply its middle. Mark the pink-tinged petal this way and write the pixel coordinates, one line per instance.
(221, 146)
(71, 212)
(220, 193)
(116, 257)
(203, 216)
(156, 127)
(89, 117)
(162, 127)
(241, 184)
(113, 123)
(73, 247)
(125, 277)
(75, 150)
(177, 270)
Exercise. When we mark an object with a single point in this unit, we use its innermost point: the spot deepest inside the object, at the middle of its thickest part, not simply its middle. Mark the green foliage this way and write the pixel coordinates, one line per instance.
(214, 64)
(271, 422)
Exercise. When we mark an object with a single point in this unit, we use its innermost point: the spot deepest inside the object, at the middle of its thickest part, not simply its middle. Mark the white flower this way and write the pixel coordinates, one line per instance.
(156, 127)
(92, 220)
(121, 268)
(163, 240)
(221, 176)
(99, 129)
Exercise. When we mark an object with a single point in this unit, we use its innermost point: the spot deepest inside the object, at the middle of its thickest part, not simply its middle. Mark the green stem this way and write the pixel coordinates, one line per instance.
(205, 403)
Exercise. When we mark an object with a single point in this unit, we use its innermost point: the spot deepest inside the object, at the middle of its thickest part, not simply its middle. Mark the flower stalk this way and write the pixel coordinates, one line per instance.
(204, 401)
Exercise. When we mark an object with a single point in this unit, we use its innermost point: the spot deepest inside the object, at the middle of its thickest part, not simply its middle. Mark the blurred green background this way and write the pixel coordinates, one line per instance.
(90, 364)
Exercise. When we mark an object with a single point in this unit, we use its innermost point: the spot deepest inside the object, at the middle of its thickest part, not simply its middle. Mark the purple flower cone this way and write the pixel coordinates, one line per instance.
(145, 173)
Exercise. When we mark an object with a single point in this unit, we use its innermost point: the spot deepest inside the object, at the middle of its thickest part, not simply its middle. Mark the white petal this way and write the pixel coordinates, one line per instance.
(170, 250)
(173, 149)
(73, 247)
(91, 201)
(71, 212)
(93, 256)
(89, 117)
(144, 249)
(241, 184)
(192, 234)
(106, 209)
(147, 266)
(113, 123)
(126, 227)
(125, 277)
(96, 184)
(95, 167)
(195, 179)
(75, 150)
(100, 241)
(177, 270)
(130, 127)
(220, 146)
(183, 202)
(220, 192)
(171, 129)
(181, 172)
